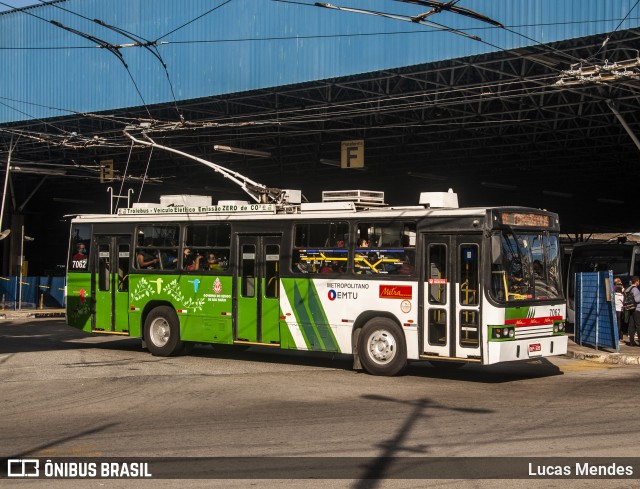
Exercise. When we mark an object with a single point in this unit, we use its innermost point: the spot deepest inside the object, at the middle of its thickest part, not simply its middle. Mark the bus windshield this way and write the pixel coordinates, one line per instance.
(525, 266)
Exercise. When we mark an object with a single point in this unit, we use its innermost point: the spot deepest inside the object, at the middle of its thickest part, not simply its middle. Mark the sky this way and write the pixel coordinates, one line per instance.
(17, 3)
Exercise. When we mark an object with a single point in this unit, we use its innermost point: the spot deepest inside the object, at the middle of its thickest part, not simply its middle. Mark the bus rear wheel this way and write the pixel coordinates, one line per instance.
(382, 347)
(162, 332)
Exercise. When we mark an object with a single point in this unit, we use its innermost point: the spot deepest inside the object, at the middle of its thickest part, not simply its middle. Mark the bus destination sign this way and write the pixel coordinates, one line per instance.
(525, 219)
(208, 209)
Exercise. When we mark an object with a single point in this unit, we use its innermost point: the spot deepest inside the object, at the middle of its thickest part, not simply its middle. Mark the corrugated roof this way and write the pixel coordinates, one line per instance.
(229, 47)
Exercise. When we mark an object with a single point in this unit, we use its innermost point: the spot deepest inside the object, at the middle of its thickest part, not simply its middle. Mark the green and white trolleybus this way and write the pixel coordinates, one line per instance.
(349, 274)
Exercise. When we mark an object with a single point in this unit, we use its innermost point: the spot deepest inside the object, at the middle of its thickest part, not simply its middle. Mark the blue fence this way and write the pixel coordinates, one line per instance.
(36, 291)
(595, 313)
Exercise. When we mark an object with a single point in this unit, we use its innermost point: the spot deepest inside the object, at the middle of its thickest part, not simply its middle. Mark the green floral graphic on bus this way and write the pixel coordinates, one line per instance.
(151, 288)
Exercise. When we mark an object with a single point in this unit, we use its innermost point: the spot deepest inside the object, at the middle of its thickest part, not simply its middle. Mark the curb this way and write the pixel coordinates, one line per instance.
(608, 358)
(32, 314)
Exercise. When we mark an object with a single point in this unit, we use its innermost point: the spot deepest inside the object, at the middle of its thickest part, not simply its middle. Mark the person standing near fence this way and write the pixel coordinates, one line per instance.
(634, 316)
(619, 299)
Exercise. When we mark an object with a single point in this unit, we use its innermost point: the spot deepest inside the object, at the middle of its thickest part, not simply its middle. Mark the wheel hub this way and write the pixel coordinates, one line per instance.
(160, 332)
(382, 347)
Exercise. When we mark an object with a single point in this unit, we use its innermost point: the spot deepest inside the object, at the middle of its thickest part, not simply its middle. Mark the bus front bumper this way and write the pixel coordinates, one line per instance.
(531, 348)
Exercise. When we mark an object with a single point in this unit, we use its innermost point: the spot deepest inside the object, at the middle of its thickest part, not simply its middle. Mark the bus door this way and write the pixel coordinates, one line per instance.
(110, 283)
(450, 298)
(468, 297)
(258, 289)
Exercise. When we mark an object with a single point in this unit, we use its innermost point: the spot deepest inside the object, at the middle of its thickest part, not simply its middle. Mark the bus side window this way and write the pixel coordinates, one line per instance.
(123, 268)
(636, 263)
(320, 248)
(468, 274)
(248, 272)
(436, 274)
(104, 274)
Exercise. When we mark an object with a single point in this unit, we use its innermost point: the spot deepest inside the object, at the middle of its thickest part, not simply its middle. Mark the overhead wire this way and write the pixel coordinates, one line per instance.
(108, 46)
(606, 40)
(150, 46)
(314, 118)
(193, 20)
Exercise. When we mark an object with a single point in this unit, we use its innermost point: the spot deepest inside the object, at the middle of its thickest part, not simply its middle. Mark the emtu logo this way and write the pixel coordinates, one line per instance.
(332, 295)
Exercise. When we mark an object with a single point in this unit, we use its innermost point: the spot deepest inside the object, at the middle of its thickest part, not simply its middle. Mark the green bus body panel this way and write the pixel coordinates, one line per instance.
(286, 339)
(79, 301)
(122, 310)
(103, 308)
(203, 303)
(310, 315)
(204, 310)
(270, 317)
(516, 312)
(247, 314)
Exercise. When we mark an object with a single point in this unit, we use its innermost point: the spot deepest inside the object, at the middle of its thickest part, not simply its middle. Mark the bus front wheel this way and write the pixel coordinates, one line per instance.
(162, 332)
(382, 347)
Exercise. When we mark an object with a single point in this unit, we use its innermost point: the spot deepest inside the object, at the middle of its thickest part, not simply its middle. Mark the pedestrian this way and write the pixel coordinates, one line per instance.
(619, 299)
(634, 317)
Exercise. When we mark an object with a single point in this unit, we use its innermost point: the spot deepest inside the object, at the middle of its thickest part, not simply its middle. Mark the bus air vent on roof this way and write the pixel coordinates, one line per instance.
(368, 198)
(185, 200)
(439, 199)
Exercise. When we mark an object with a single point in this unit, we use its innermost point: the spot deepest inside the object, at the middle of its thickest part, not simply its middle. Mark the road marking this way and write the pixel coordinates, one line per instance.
(586, 366)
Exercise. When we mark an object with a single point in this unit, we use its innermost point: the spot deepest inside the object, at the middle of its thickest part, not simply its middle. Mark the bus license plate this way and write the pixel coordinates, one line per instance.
(535, 349)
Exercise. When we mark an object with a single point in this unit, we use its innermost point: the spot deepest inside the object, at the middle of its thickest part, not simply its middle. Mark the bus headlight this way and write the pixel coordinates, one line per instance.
(559, 327)
(502, 333)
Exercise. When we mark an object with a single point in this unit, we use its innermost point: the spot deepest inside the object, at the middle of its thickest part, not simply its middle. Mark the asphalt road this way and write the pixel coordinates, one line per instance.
(64, 393)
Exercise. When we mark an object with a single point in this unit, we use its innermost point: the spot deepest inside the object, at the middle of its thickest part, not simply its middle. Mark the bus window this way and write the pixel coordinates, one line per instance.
(212, 242)
(104, 275)
(248, 271)
(79, 248)
(272, 275)
(468, 279)
(525, 267)
(436, 273)
(437, 327)
(385, 247)
(469, 328)
(123, 268)
(157, 247)
(320, 247)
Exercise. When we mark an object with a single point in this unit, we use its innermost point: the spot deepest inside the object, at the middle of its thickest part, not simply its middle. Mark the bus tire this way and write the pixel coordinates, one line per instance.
(382, 347)
(162, 332)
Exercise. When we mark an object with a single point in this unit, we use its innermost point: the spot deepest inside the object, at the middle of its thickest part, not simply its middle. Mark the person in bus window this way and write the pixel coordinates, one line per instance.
(145, 259)
(211, 263)
(79, 260)
(326, 268)
(406, 267)
(189, 261)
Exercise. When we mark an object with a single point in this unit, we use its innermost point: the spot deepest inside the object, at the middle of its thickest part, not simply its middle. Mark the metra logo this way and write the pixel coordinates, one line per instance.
(395, 292)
